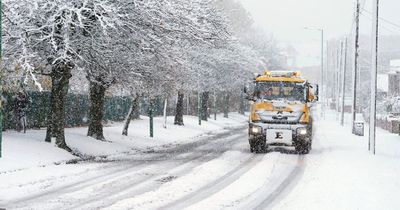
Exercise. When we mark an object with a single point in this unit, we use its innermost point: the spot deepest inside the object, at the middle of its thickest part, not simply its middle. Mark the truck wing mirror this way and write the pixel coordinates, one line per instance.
(316, 92)
(313, 94)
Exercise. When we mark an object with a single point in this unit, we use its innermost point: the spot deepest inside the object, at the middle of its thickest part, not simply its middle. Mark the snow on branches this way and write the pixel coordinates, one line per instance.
(127, 43)
(47, 32)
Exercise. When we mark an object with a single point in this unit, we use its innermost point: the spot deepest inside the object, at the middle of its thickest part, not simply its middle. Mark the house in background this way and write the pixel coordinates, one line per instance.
(394, 78)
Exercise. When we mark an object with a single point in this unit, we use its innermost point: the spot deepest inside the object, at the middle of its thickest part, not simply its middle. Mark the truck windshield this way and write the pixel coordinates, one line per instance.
(290, 91)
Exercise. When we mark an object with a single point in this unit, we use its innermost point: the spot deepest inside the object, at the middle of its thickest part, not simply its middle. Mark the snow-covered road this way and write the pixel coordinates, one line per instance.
(195, 175)
(219, 172)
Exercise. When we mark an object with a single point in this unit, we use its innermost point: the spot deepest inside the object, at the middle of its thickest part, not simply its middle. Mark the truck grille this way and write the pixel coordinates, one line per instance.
(280, 117)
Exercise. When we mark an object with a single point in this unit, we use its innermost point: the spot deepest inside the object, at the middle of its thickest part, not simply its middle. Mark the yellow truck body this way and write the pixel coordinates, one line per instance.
(281, 111)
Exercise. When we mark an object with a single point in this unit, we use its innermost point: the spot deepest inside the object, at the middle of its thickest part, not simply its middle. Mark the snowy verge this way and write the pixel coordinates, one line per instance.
(22, 151)
(341, 173)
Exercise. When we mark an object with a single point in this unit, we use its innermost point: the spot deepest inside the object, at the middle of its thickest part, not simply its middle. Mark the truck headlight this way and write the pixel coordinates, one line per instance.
(255, 130)
(302, 131)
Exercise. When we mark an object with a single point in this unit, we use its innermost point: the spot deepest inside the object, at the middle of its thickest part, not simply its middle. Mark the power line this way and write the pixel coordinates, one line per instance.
(384, 20)
(387, 29)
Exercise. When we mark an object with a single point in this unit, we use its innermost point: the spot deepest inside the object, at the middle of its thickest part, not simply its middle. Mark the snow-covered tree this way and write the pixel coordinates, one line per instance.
(147, 49)
(45, 37)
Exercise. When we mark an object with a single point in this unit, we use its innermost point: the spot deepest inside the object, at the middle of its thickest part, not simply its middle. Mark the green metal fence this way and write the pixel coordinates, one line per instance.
(76, 110)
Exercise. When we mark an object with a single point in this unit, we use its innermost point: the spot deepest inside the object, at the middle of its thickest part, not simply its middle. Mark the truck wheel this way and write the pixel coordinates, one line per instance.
(260, 148)
(303, 147)
(306, 148)
(251, 148)
(257, 147)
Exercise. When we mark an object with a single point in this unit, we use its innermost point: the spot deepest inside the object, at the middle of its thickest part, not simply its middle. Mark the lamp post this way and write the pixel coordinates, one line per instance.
(344, 81)
(374, 70)
(355, 76)
(322, 67)
(1, 79)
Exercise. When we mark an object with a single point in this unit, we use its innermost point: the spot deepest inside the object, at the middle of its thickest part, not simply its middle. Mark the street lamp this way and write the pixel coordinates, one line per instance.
(1, 80)
(322, 66)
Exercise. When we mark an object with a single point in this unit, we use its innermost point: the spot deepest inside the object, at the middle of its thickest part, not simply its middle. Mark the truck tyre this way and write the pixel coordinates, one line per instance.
(303, 147)
(257, 147)
(260, 148)
(306, 148)
(310, 127)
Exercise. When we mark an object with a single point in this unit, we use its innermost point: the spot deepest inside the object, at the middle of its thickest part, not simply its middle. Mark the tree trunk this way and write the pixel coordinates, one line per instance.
(179, 110)
(187, 104)
(241, 104)
(204, 105)
(151, 117)
(136, 108)
(215, 106)
(226, 105)
(49, 120)
(60, 83)
(165, 113)
(132, 115)
(97, 94)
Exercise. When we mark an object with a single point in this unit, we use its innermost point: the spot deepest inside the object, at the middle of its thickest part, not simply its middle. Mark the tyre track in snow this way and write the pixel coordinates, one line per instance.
(23, 201)
(281, 184)
(285, 186)
(128, 166)
(155, 155)
(288, 182)
(153, 182)
(158, 156)
(283, 179)
(214, 186)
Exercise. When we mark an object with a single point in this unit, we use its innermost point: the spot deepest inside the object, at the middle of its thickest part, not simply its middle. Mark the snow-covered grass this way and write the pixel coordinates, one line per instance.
(341, 173)
(22, 151)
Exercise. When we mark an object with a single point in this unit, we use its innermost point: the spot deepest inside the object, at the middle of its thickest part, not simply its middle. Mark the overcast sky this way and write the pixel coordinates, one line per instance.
(286, 20)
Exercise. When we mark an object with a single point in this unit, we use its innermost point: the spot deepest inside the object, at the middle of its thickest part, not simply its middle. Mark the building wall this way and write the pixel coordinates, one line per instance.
(394, 84)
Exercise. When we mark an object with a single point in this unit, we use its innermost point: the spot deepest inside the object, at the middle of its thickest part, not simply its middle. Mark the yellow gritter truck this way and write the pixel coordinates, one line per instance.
(280, 112)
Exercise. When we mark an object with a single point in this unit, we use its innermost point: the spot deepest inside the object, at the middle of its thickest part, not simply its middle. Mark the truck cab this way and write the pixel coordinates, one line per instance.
(280, 115)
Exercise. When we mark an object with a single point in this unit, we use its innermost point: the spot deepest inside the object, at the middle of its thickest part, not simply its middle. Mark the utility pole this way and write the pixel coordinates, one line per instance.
(338, 78)
(1, 79)
(374, 72)
(327, 70)
(355, 73)
(344, 82)
(334, 75)
(322, 74)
